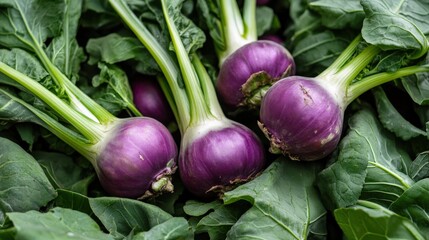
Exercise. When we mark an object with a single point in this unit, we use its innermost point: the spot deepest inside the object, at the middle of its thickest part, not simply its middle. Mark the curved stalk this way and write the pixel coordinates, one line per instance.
(162, 57)
(367, 83)
(92, 130)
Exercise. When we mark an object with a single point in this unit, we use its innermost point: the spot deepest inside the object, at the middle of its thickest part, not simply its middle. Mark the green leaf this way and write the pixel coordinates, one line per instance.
(219, 222)
(197, 209)
(417, 85)
(419, 168)
(392, 24)
(114, 48)
(213, 217)
(392, 119)
(122, 216)
(21, 179)
(113, 89)
(73, 200)
(265, 18)
(315, 52)
(27, 23)
(414, 204)
(14, 111)
(339, 14)
(64, 51)
(370, 164)
(285, 203)
(371, 221)
(172, 229)
(191, 35)
(57, 224)
(62, 171)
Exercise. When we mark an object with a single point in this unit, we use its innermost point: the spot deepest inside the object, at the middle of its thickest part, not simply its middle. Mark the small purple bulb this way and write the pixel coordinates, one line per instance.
(246, 74)
(138, 159)
(150, 100)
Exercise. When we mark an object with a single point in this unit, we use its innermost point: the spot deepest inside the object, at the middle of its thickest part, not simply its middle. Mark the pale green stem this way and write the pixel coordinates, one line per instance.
(367, 83)
(198, 108)
(165, 61)
(93, 131)
(233, 28)
(208, 89)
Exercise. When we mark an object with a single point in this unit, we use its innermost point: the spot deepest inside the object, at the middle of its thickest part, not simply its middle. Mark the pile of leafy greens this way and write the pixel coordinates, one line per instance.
(375, 184)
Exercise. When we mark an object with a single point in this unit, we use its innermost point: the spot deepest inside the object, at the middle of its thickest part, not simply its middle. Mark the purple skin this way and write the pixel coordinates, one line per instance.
(220, 159)
(150, 100)
(140, 152)
(255, 57)
(301, 119)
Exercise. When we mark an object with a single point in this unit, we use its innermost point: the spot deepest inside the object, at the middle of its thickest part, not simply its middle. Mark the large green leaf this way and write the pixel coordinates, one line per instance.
(414, 204)
(392, 24)
(63, 50)
(172, 229)
(371, 221)
(286, 204)
(315, 52)
(114, 48)
(57, 224)
(122, 216)
(417, 85)
(370, 164)
(419, 168)
(191, 35)
(214, 218)
(24, 186)
(64, 172)
(28, 24)
(114, 91)
(392, 119)
(339, 14)
(73, 200)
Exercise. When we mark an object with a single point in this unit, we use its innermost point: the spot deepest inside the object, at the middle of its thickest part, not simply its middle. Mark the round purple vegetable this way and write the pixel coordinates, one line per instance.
(303, 117)
(217, 155)
(248, 72)
(247, 66)
(137, 159)
(150, 100)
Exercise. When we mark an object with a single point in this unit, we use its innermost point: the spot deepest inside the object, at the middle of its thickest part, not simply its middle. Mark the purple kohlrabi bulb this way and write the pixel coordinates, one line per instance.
(216, 156)
(247, 73)
(301, 118)
(137, 159)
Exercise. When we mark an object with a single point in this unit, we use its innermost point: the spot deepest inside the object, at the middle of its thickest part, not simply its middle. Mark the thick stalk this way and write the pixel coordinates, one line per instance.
(233, 29)
(93, 131)
(345, 56)
(249, 20)
(167, 64)
(73, 139)
(208, 89)
(343, 78)
(198, 108)
(367, 83)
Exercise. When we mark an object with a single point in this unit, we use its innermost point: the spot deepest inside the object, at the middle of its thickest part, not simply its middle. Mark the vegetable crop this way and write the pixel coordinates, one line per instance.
(67, 75)
(308, 122)
(248, 66)
(132, 157)
(216, 153)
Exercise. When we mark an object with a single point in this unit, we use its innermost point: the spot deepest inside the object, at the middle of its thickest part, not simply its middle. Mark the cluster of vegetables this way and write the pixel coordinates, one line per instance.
(214, 119)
